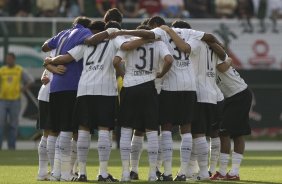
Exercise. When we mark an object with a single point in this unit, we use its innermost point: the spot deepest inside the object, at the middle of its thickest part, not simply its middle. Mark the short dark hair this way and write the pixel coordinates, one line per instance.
(97, 25)
(145, 22)
(156, 21)
(84, 21)
(113, 15)
(181, 24)
(11, 54)
(143, 27)
(113, 24)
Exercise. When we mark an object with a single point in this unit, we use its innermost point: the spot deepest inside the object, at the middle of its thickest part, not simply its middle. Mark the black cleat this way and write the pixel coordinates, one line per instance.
(210, 174)
(82, 178)
(180, 178)
(165, 178)
(134, 175)
(110, 178)
(158, 173)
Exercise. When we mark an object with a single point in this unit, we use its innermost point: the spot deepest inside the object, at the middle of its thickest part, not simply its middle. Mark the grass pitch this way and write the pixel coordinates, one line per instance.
(262, 167)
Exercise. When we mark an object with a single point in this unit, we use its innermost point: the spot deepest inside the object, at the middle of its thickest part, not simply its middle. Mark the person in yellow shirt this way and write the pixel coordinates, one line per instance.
(13, 81)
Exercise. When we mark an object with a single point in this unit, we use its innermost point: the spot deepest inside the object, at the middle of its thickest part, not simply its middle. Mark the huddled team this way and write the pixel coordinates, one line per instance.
(172, 76)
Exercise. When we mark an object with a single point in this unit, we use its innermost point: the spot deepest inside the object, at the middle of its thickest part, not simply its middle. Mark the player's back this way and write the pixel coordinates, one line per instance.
(204, 62)
(143, 63)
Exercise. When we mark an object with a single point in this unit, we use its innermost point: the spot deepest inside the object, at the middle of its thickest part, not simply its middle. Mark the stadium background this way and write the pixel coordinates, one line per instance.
(257, 54)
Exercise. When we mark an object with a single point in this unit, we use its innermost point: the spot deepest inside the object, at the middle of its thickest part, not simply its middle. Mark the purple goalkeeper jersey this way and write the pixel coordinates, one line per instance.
(63, 42)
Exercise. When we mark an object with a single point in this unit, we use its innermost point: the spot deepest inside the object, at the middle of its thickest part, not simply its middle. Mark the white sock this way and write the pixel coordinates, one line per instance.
(193, 164)
(236, 161)
(65, 153)
(223, 159)
(160, 154)
(73, 156)
(57, 159)
(43, 157)
(185, 152)
(51, 142)
(152, 149)
(83, 143)
(167, 152)
(136, 150)
(104, 150)
(125, 148)
(202, 150)
(214, 153)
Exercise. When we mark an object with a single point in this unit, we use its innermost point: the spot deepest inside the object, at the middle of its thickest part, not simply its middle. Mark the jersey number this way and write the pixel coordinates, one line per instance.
(143, 58)
(178, 55)
(106, 43)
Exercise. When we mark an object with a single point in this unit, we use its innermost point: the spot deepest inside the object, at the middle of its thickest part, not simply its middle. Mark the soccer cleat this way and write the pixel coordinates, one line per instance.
(70, 177)
(230, 177)
(165, 178)
(126, 177)
(110, 178)
(43, 178)
(210, 173)
(180, 178)
(54, 178)
(82, 178)
(134, 175)
(217, 176)
(203, 178)
(158, 172)
(152, 178)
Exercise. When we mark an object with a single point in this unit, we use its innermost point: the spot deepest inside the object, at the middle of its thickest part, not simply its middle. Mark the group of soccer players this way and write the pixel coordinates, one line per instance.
(172, 76)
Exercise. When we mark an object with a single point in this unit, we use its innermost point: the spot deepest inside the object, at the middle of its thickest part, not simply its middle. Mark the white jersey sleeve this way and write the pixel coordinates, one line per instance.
(118, 41)
(164, 50)
(77, 52)
(159, 33)
(43, 94)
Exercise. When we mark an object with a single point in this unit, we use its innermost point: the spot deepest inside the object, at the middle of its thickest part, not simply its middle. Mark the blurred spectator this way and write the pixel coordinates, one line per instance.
(245, 12)
(47, 8)
(11, 78)
(104, 5)
(225, 9)
(129, 8)
(199, 8)
(2, 7)
(267, 9)
(71, 8)
(173, 9)
(150, 7)
(21, 8)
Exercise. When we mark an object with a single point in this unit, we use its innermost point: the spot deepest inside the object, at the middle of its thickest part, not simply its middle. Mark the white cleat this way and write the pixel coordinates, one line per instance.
(152, 178)
(69, 177)
(54, 178)
(125, 177)
(202, 178)
(43, 177)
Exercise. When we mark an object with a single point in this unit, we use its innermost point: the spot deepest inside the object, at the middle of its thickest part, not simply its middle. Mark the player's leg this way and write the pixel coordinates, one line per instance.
(125, 149)
(160, 155)
(54, 137)
(193, 167)
(14, 110)
(136, 150)
(214, 152)
(185, 149)
(43, 157)
(152, 149)
(74, 162)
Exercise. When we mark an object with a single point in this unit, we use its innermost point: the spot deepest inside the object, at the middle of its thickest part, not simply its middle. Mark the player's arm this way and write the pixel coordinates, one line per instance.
(133, 44)
(119, 67)
(60, 69)
(210, 38)
(224, 66)
(180, 44)
(99, 37)
(45, 47)
(58, 60)
(218, 50)
(146, 34)
(168, 60)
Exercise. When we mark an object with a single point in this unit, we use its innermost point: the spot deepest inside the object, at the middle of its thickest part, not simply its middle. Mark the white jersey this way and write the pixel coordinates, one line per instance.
(43, 94)
(230, 82)
(142, 64)
(220, 96)
(98, 76)
(204, 62)
(181, 76)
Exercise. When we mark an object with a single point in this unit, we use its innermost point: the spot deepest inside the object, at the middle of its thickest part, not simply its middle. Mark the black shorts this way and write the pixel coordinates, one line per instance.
(43, 122)
(139, 107)
(92, 111)
(61, 111)
(177, 107)
(204, 117)
(236, 114)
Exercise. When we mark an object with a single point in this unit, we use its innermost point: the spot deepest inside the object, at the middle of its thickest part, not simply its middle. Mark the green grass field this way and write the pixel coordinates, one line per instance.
(257, 167)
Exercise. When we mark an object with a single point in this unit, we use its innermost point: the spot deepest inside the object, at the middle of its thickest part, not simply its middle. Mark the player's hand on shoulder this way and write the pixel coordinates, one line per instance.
(165, 28)
(159, 75)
